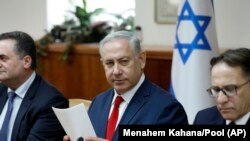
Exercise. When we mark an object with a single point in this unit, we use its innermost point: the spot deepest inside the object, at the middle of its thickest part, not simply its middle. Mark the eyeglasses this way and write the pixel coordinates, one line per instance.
(229, 90)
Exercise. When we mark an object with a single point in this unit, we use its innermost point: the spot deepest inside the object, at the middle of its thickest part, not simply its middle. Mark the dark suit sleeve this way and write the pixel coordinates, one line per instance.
(46, 125)
(210, 116)
(173, 113)
(196, 118)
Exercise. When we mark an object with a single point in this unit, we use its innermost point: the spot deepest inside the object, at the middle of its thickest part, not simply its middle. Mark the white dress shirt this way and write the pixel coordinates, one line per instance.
(242, 121)
(20, 92)
(126, 99)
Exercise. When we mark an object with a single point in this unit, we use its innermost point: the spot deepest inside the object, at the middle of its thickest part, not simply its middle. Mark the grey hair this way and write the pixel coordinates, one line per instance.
(127, 35)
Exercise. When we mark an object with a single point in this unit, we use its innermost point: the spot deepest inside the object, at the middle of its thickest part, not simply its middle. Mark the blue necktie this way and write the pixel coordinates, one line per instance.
(5, 126)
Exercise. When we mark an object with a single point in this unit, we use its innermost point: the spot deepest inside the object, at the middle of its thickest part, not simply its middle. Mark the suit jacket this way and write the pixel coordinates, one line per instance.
(210, 116)
(150, 105)
(35, 119)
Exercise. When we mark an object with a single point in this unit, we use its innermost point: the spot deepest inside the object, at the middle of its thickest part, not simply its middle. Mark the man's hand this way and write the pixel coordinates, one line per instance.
(66, 138)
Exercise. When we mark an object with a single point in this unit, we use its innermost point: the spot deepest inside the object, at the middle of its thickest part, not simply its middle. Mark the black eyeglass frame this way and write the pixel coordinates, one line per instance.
(211, 90)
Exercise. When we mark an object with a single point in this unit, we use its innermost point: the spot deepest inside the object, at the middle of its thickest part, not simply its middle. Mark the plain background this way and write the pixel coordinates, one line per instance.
(232, 21)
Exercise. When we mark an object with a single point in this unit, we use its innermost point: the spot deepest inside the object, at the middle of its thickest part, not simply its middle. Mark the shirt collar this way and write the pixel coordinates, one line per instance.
(127, 96)
(21, 90)
(241, 121)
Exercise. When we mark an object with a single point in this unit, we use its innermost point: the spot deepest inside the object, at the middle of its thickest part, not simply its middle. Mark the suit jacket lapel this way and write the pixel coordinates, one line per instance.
(139, 99)
(3, 99)
(248, 121)
(104, 114)
(219, 121)
(27, 100)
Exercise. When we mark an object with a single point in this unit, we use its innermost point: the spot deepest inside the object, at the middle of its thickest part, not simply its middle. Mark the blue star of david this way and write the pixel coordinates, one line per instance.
(200, 36)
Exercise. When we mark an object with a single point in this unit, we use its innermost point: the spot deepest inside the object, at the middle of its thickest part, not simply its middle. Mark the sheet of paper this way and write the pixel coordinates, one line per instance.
(75, 121)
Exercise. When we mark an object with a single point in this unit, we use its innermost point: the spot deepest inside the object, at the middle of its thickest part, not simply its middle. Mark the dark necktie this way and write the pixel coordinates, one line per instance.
(113, 118)
(5, 126)
(232, 123)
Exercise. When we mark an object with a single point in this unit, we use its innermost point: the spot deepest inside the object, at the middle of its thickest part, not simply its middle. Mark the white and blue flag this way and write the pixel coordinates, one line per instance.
(196, 43)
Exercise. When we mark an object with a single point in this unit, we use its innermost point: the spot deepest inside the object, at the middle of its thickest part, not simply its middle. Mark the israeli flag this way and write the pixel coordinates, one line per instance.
(196, 43)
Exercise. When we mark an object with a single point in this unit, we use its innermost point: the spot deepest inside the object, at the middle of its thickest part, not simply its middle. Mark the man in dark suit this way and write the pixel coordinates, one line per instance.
(32, 118)
(143, 102)
(230, 74)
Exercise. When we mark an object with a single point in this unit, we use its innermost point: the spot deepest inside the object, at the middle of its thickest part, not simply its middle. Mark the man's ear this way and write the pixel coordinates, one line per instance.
(142, 59)
(27, 61)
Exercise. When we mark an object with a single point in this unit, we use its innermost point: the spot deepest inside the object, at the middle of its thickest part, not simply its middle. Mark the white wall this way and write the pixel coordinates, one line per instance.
(232, 21)
(66, 7)
(24, 15)
(153, 33)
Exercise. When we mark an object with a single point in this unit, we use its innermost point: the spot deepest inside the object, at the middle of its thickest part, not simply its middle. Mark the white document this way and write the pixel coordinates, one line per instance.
(75, 121)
